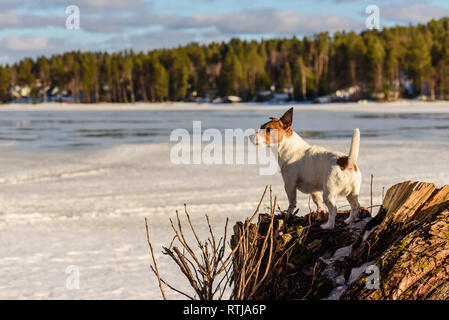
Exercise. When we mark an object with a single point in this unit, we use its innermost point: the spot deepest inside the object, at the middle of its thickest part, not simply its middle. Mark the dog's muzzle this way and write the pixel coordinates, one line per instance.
(254, 138)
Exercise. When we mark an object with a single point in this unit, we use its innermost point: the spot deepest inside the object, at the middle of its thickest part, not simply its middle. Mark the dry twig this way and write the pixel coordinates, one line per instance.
(208, 270)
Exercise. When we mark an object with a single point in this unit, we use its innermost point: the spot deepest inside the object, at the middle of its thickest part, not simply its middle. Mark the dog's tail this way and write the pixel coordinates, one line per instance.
(354, 151)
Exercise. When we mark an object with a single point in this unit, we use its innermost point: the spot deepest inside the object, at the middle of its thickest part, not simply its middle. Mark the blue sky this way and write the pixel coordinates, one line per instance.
(33, 28)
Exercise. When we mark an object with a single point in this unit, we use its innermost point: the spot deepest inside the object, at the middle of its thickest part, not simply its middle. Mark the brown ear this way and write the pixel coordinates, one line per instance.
(287, 118)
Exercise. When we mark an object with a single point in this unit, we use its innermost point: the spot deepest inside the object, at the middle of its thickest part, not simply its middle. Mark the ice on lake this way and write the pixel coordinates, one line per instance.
(76, 182)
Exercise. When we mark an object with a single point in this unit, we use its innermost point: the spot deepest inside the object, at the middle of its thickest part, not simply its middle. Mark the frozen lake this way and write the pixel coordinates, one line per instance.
(67, 128)
(76, 182)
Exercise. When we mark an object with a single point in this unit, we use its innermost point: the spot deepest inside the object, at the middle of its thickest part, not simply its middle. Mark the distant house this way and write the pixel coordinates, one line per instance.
(52, 94)
(14, 92)
(282, 97)
(53, 91)
(217, 100)
(324, 99)
(342, 95)
(232, 99)
(263, 96)
(18, 92)
(212, 93)
(21, 94)
(347, 94)
(44, 92)
(202, 100)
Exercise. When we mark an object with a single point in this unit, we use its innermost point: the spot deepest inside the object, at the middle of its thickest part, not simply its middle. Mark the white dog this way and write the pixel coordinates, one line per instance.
(312, 169)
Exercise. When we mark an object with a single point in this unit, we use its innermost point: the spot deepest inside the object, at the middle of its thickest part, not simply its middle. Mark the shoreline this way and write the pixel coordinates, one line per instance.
(393, 107)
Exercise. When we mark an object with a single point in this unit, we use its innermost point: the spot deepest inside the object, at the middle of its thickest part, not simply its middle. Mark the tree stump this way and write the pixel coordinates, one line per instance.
(408, 241)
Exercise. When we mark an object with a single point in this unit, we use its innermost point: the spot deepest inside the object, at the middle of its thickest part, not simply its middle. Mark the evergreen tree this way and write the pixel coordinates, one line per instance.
(231, 76)
(254, 71)
(375, 54)
(179, 75)
(159, 80)
(285, 77)
(5, 78)
(43, 68)
(419, 60)
(299, 79)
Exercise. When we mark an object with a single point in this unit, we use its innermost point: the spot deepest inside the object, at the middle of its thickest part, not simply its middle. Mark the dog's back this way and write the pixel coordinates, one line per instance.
(312, 168)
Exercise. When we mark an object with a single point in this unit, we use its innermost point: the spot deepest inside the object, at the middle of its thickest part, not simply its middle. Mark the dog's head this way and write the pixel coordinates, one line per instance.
(274, 131)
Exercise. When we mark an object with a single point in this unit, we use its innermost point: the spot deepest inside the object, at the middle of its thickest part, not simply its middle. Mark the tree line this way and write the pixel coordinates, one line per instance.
(393, 63)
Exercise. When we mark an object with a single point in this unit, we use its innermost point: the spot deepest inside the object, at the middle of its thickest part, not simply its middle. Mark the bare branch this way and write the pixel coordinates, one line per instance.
(154, 260)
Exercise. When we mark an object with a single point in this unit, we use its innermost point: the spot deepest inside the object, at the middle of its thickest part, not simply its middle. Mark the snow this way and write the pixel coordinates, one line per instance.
(337, 292)
(75, 185)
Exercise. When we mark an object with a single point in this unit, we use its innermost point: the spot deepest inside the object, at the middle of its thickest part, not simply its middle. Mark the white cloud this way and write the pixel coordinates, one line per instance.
(16, 43)
(264, 21)
(111, 24)
(414, 12)
(11, 19)
(161, 39)
(8, 19)
(179, 30)
(8, 4)
(96, 6)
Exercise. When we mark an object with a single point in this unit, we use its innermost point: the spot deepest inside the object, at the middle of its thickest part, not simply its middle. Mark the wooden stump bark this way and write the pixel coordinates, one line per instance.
(408, 241)
(410, 246)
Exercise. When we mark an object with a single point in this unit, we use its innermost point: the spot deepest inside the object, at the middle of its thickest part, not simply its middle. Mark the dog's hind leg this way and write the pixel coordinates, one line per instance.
(353, 200)
(330, 201)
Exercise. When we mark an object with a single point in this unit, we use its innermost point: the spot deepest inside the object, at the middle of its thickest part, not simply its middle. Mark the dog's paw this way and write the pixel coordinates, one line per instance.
(326, 226)
(286, 215)
(295, 212)
(349, 220)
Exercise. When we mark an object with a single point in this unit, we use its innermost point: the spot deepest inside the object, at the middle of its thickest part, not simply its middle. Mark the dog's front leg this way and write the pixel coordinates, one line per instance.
(290, 189)
(330, 201)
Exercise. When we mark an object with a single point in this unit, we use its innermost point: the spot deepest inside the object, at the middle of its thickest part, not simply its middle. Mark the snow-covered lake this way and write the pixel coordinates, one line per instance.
(76, 182)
